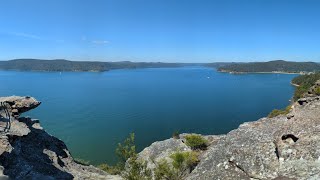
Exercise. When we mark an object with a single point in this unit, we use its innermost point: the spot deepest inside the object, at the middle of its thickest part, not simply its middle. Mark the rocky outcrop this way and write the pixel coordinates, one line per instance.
(163, 149)
(283, 147)
(28, 152)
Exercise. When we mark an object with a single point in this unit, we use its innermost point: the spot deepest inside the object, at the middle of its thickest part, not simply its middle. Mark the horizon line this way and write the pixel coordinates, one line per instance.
(254, 61)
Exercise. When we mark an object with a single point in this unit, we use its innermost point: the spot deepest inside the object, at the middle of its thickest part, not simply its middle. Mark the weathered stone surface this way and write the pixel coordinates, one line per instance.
(158, 151)
(20, 104)
(284, 147)
(162, 150)
(268, 148)
(28, 152)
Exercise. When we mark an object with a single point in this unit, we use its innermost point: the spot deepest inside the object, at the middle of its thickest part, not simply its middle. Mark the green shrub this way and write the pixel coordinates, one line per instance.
(184, 160)
(137, 170)
(182, 163)
(317, 91)
(196, 142)
(165, 171)
(126, 150)
(300, 91)
(277, 112)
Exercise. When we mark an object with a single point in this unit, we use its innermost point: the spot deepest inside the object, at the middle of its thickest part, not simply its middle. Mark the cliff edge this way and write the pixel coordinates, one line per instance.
(284, 147)
(28, 152)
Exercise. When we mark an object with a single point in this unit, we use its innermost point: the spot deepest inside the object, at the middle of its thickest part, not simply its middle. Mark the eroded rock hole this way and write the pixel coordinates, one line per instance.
(290, 136)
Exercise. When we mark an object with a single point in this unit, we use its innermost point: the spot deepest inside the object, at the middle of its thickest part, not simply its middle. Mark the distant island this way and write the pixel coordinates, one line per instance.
(277, 66)
(66, 65)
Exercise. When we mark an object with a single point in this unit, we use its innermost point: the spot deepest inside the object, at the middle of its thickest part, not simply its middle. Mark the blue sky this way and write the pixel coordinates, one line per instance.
(161, 30)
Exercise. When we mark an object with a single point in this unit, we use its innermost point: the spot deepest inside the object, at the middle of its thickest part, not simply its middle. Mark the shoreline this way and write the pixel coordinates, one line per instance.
(272, 72)
(90, 71)
(295, 85)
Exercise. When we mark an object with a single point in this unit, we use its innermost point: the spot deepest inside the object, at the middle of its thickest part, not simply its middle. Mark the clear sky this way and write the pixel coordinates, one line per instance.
(161, 30)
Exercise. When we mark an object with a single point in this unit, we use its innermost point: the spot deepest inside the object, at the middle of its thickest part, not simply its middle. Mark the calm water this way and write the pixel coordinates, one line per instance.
(91, 112)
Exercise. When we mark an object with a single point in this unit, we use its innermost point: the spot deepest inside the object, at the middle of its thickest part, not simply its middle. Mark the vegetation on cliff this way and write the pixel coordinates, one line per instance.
(277, 112)
(175, 167)
(182, 163)
(128, 166)
(195, 141)
(304, 83)
(271, 66)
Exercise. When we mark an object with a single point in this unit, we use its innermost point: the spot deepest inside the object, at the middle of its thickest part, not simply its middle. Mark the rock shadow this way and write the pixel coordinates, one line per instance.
(27, 160)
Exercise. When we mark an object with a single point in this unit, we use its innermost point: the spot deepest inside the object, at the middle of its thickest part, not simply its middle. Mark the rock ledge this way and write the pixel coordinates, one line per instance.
(28, 152)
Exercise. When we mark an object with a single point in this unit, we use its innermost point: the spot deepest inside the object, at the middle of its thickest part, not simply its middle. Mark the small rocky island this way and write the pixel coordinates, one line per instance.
(282, 147)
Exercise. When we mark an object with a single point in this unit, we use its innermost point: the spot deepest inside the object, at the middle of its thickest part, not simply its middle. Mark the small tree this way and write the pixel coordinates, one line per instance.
(165, 171)
(196, 142)
(126, 150)
(137, 170)
(129, 165)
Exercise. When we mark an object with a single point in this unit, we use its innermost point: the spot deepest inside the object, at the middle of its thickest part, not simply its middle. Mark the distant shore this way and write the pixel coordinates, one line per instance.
(272, 72)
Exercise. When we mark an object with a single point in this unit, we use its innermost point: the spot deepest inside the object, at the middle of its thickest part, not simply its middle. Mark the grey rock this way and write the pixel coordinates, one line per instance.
(28, 152)
(284, 147)
(162, 150)
(19, 104)
(268, 148)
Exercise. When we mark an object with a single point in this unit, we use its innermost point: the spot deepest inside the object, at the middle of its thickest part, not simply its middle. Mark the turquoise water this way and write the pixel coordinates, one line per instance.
(92, 112)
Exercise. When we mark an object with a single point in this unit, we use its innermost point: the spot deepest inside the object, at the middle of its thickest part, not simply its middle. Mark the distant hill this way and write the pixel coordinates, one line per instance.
(65, 65)
(271, 66)
(219, 64)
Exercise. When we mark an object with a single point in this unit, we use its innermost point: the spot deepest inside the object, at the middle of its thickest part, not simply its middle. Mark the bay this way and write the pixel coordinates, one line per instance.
(91, 112)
